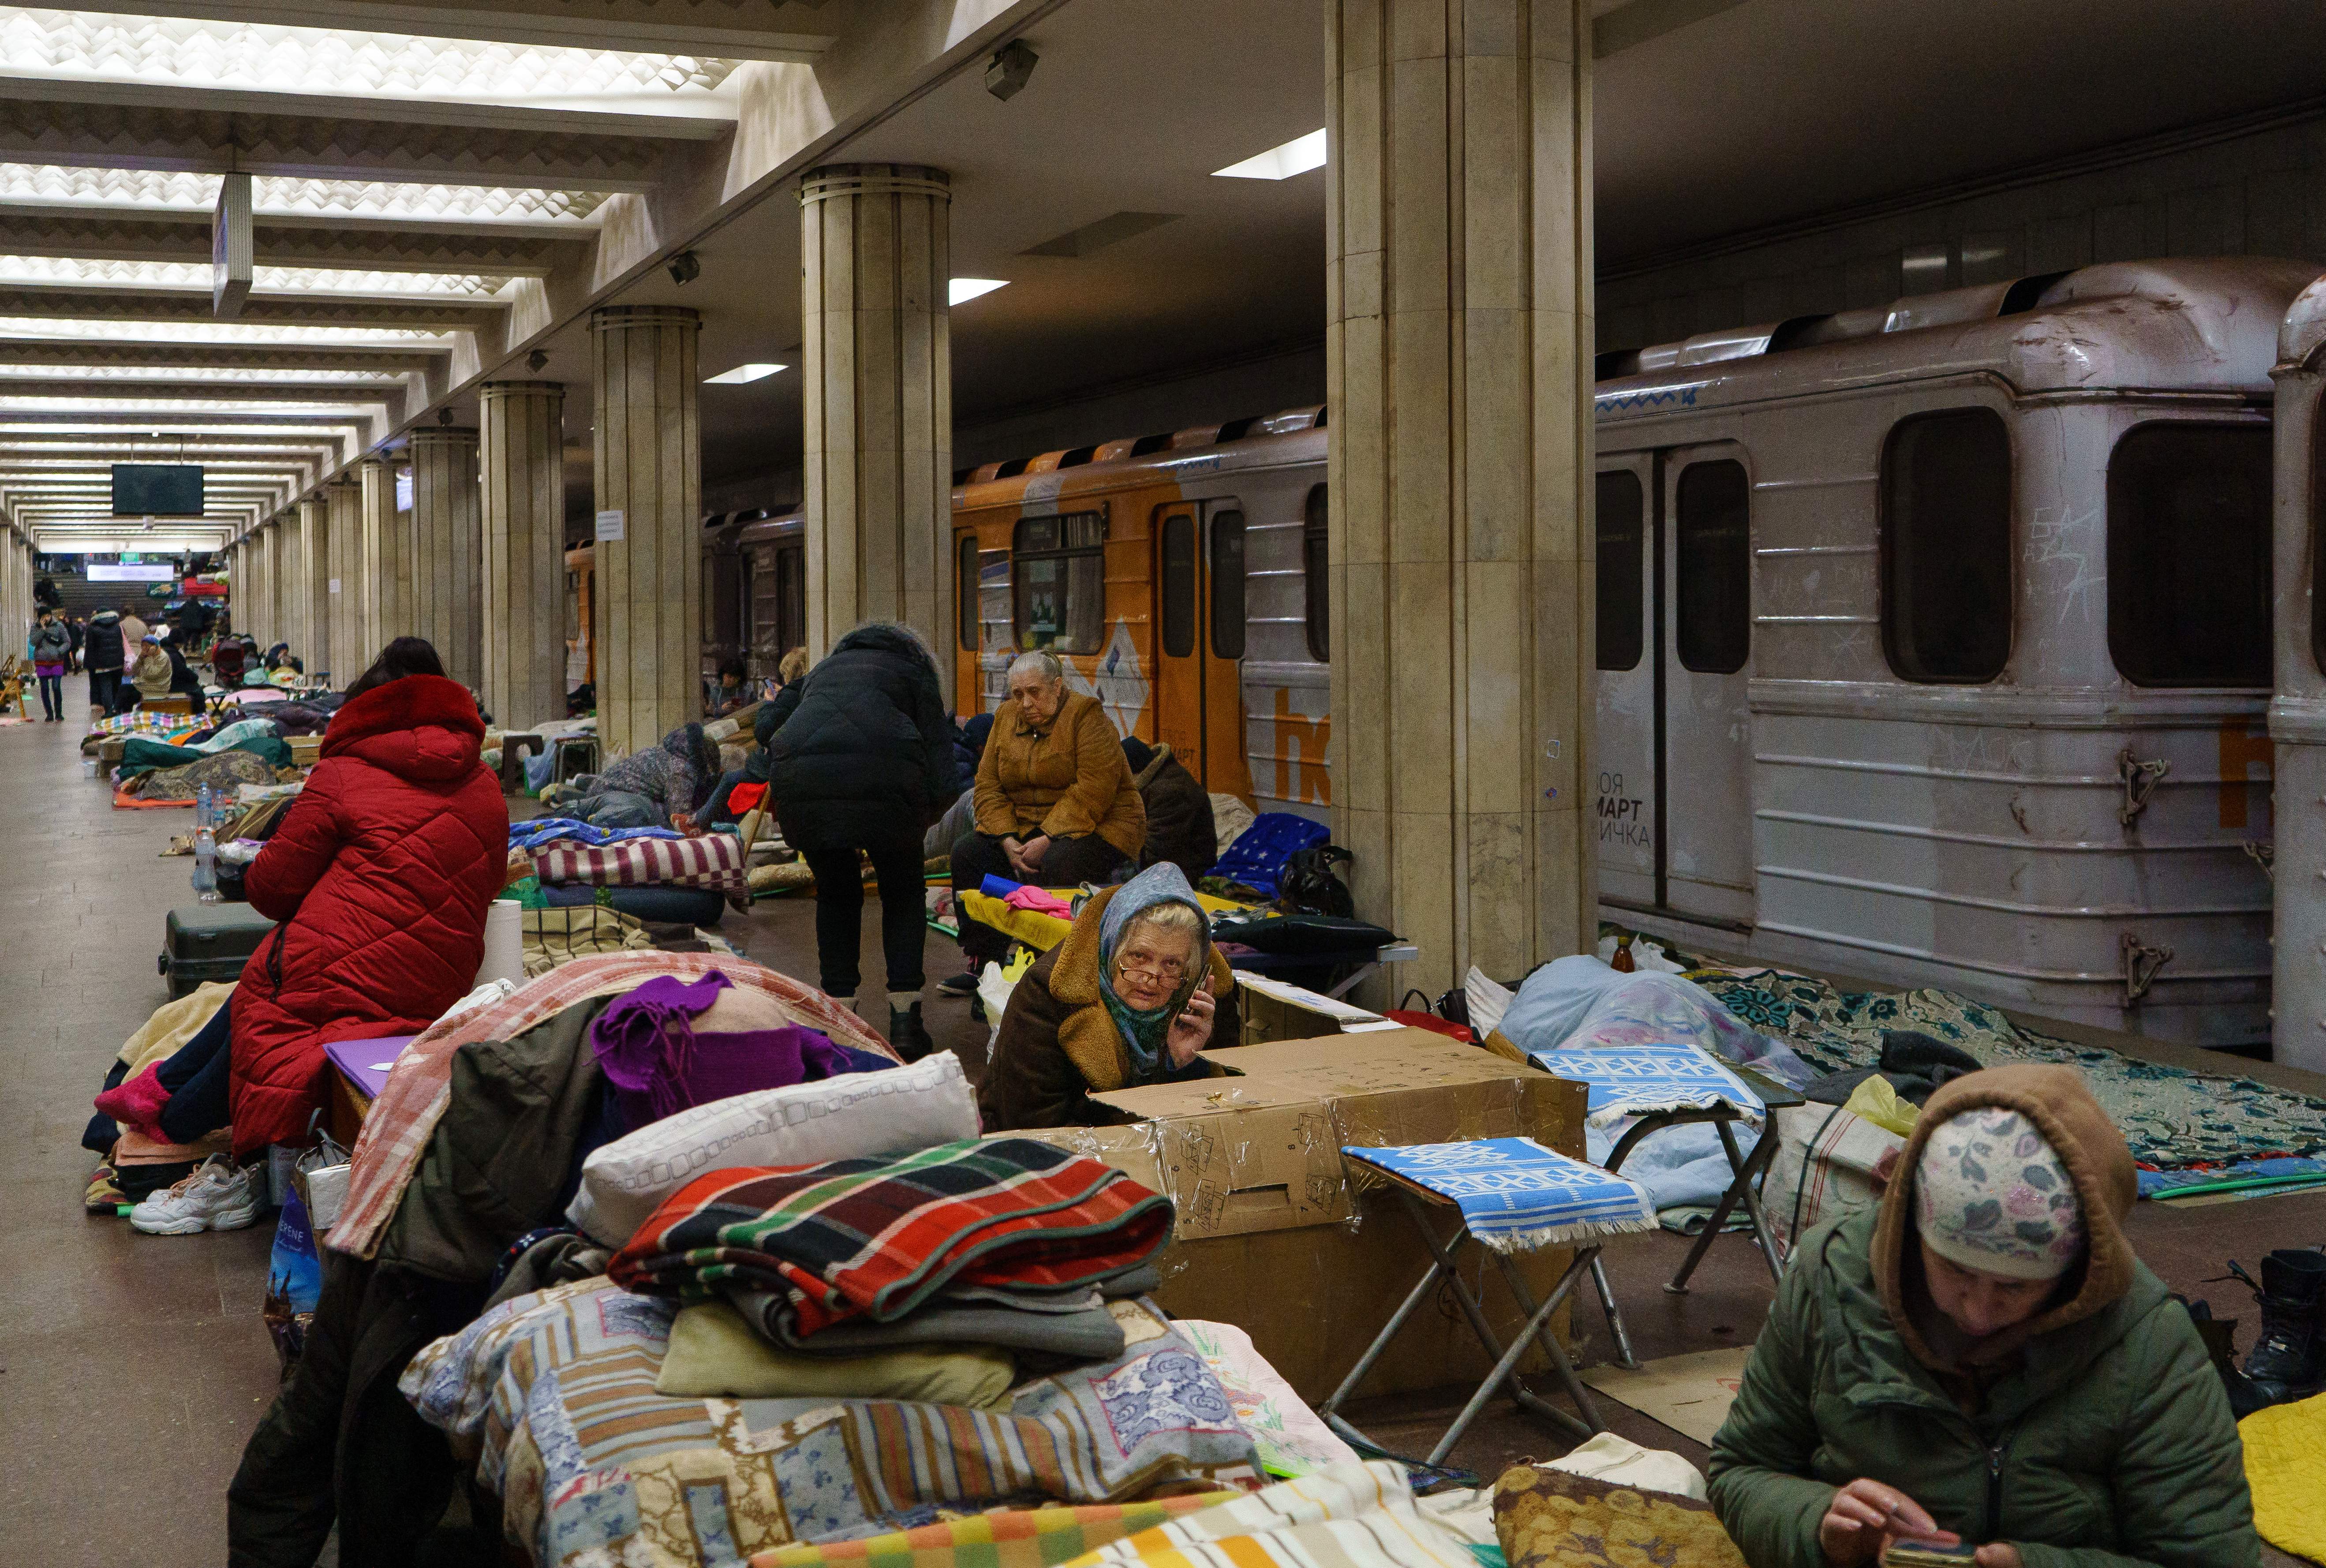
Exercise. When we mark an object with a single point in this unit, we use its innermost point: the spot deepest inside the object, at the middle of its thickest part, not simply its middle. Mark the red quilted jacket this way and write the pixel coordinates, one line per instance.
(380, 874)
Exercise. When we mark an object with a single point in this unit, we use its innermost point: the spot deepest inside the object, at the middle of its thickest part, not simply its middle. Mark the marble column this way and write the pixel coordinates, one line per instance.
(1458, 344)
(521, 637)
(352, 640)
(448, 548)
(265, 550)
(876, 381)
(383, 596)
(649, 581)
(315, 558)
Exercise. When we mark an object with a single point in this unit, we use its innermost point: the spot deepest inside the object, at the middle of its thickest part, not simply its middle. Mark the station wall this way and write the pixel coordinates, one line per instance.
(2252, 187)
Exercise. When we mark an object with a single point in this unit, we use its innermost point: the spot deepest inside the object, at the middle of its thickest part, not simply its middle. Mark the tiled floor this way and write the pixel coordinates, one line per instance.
(131, 1368)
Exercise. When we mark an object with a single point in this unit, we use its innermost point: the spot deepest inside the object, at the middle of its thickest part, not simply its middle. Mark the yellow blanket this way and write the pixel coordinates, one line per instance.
(1043, 932)
(174, 1023)
(2285, 1466)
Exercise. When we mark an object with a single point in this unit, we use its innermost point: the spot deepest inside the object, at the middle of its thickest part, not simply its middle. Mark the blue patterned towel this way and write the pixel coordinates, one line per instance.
(543, 830)
(1515, 1195)
(1632, 1080)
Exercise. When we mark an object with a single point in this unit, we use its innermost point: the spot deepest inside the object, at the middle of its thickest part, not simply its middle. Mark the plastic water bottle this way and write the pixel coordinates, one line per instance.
(202, 817)
(206, 886)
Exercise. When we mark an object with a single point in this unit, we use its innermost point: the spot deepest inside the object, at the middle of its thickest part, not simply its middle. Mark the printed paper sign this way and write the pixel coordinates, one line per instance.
(610, 527)
(335, 584)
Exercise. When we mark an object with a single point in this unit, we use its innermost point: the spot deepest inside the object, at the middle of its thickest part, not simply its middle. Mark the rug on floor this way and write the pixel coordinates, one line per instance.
(2173, 1119)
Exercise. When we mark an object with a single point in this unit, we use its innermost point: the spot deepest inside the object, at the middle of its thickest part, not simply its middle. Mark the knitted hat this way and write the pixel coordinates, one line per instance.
(1990, 1194)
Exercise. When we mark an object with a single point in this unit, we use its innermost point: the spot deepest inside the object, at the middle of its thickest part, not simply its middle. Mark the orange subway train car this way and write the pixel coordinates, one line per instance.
(1181, 577)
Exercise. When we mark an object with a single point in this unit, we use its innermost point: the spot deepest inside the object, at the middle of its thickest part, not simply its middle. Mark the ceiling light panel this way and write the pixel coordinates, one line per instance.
(85, 272)
(184, 51)
(743, 375)
(130, 404)
(274, 196)
(961, 290)
(243, 332)
(352, 380)
(1296, 156)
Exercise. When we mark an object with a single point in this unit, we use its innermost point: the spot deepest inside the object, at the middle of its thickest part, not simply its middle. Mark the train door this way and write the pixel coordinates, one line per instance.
(1630, 837)
(1708, 646)
(1200, 630)
(1674, 807)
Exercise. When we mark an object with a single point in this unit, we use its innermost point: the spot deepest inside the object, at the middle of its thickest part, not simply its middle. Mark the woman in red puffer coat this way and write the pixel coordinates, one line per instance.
(379, 877)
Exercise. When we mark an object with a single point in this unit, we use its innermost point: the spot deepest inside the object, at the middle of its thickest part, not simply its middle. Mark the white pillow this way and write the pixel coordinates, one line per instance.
(895, 1112)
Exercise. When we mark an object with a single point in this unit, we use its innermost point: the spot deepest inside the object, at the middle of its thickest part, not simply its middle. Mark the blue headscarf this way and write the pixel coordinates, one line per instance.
(1144, 1032)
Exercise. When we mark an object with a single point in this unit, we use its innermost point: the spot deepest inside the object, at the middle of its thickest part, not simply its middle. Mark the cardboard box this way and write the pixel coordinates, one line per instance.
(306, 751)
(1274, 1010)
(1303, 1249)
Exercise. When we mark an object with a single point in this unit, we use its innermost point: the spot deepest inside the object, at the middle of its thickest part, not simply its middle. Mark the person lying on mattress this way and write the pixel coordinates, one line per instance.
(1131, 996)
(1982, 1361)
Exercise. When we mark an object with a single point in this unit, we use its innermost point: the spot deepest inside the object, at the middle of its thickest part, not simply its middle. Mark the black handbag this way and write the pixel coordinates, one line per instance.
(1311, 886)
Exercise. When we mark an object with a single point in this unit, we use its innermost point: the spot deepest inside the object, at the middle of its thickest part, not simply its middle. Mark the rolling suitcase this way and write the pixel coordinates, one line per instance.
(209, 942)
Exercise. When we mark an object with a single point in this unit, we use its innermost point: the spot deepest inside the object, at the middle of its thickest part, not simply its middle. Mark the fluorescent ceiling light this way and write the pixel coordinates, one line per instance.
(963, 289)
(62, 329)
(284, 196)
(82, 46)
(265, 280)
(1296, 156)
(742, 375)
(350, 380)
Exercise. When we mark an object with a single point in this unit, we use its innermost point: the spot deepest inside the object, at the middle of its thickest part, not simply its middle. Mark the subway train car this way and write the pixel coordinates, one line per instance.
(1934, 639)
(1935, 642)
(2297, 713)
(1181, 579)
(754, 590)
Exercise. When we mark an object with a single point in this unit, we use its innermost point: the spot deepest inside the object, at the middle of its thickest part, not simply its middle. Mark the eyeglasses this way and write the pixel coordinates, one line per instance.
(1169, 971)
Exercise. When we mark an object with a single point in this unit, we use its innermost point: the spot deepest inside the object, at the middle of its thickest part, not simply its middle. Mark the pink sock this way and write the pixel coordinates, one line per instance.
(137, 1103)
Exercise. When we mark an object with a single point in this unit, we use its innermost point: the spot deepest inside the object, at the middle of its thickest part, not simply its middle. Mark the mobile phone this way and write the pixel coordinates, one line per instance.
(1926, 1554)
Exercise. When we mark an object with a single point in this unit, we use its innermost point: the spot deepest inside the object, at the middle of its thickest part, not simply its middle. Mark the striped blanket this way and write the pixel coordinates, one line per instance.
(555, 1393)
(1009, 1538)
(396, 1131)
(877, 1238)
(715, 860)
(1345, 1515)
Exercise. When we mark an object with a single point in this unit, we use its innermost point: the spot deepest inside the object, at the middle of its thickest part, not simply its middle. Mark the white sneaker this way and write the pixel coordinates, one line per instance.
(216, 1197)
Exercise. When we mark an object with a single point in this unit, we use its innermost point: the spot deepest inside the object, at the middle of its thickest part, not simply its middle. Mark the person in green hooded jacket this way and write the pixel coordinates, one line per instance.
(1982, 1359)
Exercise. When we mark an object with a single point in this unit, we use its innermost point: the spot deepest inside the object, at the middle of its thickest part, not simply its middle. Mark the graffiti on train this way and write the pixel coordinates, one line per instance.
(1622, 819)
(1301, 774)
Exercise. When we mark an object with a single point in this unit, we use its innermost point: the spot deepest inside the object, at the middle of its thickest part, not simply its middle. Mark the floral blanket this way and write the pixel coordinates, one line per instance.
(554, 1392)
(2173, 1119)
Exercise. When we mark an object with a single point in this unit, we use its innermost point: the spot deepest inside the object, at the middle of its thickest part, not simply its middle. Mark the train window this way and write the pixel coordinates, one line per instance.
(1228, 626)
(1315, 566)
(965, 592)
(2189, 554)
(1059, 574)
(1622, 610)
(1946, 546)
(1712, 558)
(1178, 585)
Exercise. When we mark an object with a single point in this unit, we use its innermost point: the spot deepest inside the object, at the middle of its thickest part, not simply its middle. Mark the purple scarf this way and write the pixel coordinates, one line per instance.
(648, 1045)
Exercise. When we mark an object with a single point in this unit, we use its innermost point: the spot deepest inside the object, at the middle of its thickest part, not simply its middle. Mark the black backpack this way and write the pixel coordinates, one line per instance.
(1311, 885)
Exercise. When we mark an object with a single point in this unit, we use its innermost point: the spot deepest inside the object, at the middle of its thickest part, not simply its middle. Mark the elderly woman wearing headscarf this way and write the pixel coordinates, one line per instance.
(1132, 996)
(650, 788)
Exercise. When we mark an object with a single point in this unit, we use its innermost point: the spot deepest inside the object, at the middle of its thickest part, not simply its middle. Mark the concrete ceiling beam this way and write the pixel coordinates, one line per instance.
(409, 246)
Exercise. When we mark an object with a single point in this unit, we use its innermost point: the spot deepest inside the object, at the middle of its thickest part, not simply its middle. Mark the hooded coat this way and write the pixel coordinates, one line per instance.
(1180, 827)
(863, 740)
(2096, 1434)
(101, 643)
(1057, 1044)
(380, 875)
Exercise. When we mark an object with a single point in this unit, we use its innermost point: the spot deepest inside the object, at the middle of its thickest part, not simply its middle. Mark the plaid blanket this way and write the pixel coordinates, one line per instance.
(715, 860)
(878, 1237)
(405, 1113)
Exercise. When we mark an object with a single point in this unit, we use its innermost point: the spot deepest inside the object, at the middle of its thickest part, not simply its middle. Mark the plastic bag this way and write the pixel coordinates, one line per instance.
(294, 1280)
(1879, 1104)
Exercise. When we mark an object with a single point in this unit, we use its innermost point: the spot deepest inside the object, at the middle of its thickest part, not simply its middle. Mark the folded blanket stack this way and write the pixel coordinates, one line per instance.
(850, 1245)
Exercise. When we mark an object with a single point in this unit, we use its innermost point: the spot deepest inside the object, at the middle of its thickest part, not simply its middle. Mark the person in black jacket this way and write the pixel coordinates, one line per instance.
(101, 652)
(859, 757)
(1180, 827)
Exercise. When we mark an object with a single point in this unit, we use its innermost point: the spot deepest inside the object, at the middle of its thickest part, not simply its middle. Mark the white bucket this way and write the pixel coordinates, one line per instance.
(89, 767)
(504, 943)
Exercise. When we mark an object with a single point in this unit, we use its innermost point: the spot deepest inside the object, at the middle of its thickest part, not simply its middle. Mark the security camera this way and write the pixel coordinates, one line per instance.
(443, 416)
(1010, 70)
(684, 268)
(539, 359)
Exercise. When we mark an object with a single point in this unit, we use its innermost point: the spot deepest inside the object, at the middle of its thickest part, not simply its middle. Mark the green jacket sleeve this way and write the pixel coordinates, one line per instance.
(2179, 1483)
(1760, 1463)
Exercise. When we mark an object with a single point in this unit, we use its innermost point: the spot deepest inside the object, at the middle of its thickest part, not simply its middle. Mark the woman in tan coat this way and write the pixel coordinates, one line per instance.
(1056, 806)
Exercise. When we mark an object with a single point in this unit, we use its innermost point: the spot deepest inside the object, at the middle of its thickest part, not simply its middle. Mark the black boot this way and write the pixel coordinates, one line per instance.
(907, 1033)
(2221, 1339)
(2289, 1360)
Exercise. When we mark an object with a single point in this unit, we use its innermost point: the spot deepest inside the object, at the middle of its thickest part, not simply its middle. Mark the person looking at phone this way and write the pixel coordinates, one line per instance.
(1132, 996)
(1981, 1360)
